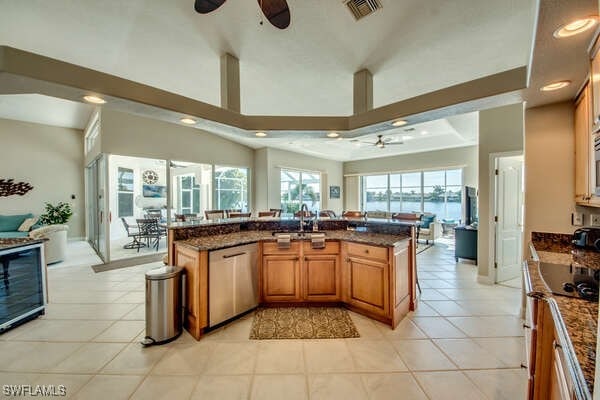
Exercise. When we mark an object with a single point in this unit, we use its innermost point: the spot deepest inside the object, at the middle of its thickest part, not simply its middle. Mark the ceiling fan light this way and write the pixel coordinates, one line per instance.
(381, 145)
(399, 122)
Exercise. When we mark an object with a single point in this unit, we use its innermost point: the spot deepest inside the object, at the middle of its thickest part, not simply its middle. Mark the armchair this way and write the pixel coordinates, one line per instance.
(55, 247)
(430, 229)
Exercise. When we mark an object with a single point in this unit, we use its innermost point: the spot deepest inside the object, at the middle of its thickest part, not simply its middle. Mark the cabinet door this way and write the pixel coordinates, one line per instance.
(281, 278)
(321, 278)
(583, 147)
(368, 285)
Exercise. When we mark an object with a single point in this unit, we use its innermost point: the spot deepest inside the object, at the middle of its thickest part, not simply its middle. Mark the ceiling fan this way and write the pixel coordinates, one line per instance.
(381, 142)
(276, 11)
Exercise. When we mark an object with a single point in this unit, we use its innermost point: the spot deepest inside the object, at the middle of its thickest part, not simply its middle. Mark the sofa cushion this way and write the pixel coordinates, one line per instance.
(426, 220)
(27, 224)
(11, 223)
(14, 234)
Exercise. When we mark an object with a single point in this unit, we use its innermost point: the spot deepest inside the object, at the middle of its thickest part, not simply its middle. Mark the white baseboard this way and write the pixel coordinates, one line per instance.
(485, 280)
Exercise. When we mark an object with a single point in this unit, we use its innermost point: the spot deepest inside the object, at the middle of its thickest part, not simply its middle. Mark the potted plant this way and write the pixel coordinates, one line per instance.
(56, 215)
(54, 231)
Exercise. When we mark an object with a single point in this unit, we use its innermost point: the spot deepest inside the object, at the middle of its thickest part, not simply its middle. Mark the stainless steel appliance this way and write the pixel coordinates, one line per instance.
(232, 282)
(571, 280)
(586, 237)
(23, 284)
(164, 304)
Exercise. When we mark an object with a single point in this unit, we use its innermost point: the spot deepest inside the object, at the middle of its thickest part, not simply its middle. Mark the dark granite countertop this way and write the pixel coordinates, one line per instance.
(215, 242)
(10, 243)
(580, 317)
(229, 221)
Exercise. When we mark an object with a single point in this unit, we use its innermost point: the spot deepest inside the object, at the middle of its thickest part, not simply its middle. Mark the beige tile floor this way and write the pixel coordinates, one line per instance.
(464, 342)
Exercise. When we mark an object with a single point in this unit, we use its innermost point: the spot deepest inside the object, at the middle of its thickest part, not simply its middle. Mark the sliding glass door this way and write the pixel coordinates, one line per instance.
(297, 188)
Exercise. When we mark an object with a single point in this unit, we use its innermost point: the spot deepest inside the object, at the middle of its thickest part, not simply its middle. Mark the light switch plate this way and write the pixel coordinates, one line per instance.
(577, 219)
(595, 219)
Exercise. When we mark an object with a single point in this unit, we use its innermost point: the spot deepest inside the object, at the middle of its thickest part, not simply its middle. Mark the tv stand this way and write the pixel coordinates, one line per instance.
(465, 243)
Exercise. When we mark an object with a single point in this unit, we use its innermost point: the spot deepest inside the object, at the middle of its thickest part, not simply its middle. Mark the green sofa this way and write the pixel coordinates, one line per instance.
(9, 225)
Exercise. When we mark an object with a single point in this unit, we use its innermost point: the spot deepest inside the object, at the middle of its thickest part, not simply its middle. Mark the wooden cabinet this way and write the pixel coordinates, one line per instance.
(583, 149)
(281, 278)
(196, 287)
(321, 272)
(367, 278)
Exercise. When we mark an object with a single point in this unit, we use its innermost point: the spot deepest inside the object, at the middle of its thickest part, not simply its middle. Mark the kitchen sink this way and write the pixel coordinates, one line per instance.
(298, 235)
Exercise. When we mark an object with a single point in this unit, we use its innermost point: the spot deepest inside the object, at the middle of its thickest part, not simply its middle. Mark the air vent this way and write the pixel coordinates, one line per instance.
(362, 8)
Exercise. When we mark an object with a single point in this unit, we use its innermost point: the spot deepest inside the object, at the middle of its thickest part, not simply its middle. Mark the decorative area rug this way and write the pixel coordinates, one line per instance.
(302, 323)
(128, 262)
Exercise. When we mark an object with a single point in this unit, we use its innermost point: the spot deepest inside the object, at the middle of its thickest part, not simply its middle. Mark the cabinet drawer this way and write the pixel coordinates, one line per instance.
(271, 248)
(330, 248)
(366, 251)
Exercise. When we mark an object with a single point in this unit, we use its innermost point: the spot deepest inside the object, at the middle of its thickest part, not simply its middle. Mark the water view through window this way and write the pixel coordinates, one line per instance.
(437, 192)
(297, 188)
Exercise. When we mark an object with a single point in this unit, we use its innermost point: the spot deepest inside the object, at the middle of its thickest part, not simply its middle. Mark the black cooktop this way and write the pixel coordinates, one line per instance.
(571, 280)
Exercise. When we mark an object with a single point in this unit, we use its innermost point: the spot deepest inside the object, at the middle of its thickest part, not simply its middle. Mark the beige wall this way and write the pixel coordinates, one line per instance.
(550, 170)
(132, 135)
(261, 180)
(500, 131)
(460, 156)
(51, 160)
(269, 180)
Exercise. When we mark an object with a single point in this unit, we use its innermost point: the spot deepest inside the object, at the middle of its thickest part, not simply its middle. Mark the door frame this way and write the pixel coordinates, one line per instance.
(493, 191)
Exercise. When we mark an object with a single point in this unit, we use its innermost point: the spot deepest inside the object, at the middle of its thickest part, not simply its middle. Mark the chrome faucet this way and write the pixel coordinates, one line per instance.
(303, 211)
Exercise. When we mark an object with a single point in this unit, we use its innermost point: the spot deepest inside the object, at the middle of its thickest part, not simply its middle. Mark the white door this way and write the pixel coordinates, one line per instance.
(509, 210)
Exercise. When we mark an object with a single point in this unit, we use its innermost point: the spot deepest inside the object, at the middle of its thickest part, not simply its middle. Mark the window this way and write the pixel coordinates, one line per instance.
(188, 201)
(231, 188)
(297, 188)
(437, 192)
(125, 192)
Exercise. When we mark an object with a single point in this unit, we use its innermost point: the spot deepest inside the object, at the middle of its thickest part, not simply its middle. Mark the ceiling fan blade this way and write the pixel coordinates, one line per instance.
(207, 6)
(276, 11)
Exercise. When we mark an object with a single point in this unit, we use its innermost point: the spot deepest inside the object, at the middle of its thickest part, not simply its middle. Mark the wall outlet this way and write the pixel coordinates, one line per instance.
(595, 219)
(577, 219)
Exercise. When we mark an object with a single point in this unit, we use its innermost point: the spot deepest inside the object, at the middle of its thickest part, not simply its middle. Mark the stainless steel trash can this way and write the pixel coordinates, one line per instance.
(164, 304)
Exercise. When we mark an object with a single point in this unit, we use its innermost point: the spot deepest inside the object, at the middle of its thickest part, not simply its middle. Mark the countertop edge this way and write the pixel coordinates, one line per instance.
(580, 385)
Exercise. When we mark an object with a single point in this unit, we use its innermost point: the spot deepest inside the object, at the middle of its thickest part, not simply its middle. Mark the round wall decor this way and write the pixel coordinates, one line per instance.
(150, 177)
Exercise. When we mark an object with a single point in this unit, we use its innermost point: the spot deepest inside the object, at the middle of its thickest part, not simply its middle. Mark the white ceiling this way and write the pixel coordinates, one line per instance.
(411, 46)
(45, 110)
(456, 131)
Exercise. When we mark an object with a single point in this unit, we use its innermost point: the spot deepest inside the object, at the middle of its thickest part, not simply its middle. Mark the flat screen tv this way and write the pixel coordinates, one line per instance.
(470, 209)
(154, 191)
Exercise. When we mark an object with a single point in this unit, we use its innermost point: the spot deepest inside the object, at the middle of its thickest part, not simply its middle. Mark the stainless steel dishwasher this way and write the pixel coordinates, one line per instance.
(232, 282)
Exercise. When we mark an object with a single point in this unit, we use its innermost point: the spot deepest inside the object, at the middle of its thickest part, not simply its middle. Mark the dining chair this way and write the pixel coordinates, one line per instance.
(134, 233)
(263, 214)
(354, 214)
(232, 211)
(150, 231)
(277, 210)
(327, 213)
(214, 214)
(239, 215)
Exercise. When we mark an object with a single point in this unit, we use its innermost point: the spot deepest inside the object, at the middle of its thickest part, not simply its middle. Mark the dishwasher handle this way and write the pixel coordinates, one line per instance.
(234, 255)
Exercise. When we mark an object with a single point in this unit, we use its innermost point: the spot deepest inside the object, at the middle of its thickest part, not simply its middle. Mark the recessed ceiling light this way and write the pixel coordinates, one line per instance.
(555, 86)
(260, 134)
(424, 133)
(188, 121)
(333, 134)
(575, 27)
(94, 99)
(340, 138)
(399, 122)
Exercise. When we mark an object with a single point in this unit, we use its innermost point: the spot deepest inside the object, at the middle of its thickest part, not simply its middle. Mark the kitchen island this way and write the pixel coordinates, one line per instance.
(367, 266)
(561, 332)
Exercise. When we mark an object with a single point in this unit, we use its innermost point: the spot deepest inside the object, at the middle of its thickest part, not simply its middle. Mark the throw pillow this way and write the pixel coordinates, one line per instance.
(27, 224)
(426, 220)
